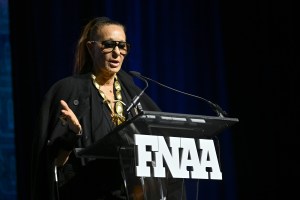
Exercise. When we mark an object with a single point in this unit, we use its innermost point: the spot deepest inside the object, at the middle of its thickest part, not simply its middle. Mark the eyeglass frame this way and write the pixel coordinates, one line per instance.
(116, 43)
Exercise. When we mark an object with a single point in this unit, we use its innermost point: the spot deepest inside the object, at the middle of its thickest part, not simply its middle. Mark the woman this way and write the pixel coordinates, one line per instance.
(80, 110)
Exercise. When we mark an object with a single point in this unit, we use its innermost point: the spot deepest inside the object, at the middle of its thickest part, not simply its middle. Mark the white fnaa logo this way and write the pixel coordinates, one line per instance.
(185, 157)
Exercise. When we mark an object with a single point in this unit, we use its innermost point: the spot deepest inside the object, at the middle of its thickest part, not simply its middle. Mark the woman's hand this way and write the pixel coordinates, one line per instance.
(70, 118)
(67, 117)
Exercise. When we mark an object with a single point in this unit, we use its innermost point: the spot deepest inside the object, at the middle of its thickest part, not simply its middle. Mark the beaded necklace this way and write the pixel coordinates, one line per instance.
(117, 113)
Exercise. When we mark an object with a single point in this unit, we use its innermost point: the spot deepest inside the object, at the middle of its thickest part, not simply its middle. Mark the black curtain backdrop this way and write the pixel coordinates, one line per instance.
(238, 54)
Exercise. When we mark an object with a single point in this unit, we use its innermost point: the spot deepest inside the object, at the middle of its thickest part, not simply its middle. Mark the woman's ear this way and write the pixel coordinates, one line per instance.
(89, 46)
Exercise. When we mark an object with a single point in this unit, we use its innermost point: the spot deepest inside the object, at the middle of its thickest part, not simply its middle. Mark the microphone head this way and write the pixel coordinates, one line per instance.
(135, 73)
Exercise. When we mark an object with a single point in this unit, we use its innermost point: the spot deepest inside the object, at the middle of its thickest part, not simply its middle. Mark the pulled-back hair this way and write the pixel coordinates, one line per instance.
(83, 61)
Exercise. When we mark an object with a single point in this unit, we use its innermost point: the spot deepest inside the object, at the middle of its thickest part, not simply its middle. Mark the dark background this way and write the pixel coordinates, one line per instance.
(238, 54)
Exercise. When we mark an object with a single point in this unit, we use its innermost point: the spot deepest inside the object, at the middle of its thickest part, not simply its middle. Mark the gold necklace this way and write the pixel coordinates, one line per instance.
(117, 114)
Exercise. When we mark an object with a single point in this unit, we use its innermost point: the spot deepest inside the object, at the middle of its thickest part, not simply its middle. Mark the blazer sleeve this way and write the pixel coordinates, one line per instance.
(41, 180)
(50, 135)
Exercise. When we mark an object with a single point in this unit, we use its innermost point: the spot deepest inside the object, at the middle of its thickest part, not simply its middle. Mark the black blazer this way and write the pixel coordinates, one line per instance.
(77, 92)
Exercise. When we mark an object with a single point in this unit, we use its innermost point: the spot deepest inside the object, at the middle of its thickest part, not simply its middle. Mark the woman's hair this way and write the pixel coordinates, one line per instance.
(83, 60)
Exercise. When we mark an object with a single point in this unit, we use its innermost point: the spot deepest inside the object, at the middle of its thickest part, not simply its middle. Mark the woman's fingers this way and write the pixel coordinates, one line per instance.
(64, 104)
(69, 116)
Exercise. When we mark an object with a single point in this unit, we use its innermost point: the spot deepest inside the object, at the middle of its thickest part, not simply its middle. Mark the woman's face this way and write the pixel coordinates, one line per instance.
(108, 61)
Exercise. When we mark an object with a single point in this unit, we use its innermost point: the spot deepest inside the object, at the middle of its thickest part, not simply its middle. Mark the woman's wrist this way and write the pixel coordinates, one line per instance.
(76, 129)
(80, 131)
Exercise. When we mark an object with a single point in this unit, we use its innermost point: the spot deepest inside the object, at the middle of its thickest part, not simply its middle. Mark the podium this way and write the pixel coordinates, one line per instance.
(121, 144)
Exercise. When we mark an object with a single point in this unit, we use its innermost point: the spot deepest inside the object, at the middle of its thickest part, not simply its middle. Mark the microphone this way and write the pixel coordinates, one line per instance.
(136, 99)
(216, 108)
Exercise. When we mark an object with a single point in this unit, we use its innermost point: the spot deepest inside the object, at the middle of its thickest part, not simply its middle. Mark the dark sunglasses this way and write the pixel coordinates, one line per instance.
(109, 45)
